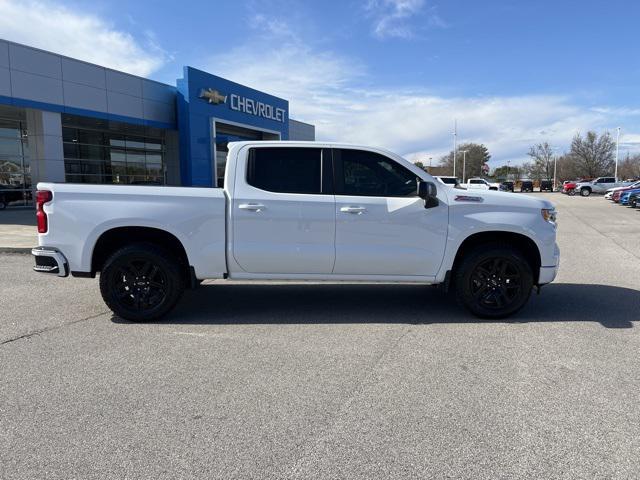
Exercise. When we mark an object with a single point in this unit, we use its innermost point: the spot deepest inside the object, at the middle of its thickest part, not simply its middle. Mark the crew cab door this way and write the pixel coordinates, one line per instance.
(283, 211)
(382, 226)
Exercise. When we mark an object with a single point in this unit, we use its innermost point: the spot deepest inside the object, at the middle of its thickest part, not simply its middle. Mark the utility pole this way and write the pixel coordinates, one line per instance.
(617, 149)
(508, 163)
(455, 144)
(464, 164)
(555, 170)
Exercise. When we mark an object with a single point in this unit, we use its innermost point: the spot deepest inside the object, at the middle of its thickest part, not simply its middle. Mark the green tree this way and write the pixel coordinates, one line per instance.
(420, 165)
(507, 172)
(477, 155)
(594, 154)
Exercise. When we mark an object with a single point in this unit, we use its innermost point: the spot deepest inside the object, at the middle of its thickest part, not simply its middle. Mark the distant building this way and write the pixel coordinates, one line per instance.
(440, 171)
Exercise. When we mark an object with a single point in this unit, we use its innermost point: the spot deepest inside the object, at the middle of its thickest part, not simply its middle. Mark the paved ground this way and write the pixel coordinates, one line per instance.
(18, 229)
(303, 381)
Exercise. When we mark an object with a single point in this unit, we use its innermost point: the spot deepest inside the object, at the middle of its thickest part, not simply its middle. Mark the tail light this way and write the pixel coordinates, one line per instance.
(42, 197)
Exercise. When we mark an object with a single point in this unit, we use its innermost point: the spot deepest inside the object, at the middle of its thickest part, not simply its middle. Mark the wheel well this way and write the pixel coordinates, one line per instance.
(116, 238)
(527, 247)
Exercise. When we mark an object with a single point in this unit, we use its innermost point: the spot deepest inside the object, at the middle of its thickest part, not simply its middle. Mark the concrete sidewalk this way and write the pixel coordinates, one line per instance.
(18, 231)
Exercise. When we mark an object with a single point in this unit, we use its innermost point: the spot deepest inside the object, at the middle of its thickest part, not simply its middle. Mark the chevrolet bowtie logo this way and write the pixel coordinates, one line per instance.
(213, 96)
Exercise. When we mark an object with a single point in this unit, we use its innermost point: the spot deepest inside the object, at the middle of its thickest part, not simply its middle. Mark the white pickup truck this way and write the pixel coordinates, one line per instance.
(480, 184)
(298, 211)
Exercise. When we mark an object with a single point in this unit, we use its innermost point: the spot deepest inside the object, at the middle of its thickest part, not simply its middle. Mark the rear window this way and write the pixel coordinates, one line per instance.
(285, 170)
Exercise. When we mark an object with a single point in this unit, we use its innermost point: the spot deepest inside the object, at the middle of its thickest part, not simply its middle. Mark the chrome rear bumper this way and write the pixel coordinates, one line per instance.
(50, 260)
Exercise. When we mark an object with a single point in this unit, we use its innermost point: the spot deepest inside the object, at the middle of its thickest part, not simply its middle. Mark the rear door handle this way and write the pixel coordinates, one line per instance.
(356, 210)
(254, 207)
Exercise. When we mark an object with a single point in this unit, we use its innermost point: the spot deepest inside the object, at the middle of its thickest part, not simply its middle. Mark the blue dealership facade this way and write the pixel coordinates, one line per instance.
(65, 120)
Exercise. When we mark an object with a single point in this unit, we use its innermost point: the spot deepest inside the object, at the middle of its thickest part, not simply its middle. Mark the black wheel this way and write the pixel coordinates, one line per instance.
(585, 192)
(141, 282)
(493, 281)
(3, 203)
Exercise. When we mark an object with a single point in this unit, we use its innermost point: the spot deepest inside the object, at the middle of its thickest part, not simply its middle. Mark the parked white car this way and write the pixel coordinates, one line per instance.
(599, 185)
(298, 211)
(480, 184)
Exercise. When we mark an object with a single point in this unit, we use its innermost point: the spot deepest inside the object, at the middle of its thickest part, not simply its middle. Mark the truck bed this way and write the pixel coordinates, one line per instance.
(81, 213)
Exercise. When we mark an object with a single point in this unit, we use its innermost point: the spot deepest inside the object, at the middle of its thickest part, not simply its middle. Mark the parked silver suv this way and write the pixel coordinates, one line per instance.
(598, 185)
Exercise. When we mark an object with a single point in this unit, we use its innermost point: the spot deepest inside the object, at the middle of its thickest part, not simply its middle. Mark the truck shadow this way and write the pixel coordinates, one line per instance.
(229, 303)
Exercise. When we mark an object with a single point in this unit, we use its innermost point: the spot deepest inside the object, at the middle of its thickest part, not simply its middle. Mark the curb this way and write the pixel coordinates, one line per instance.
(23, 250)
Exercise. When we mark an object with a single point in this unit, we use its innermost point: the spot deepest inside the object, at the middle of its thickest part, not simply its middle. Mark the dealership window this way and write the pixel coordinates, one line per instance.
(363, 173)
(120, 153)
(15, 169)
(285, 170)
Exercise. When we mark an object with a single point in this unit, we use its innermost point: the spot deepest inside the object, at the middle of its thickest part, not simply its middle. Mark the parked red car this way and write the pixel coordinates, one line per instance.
(569, 187)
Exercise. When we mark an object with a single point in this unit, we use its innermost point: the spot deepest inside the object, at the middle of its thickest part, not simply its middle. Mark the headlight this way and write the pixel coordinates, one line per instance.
(549, 215)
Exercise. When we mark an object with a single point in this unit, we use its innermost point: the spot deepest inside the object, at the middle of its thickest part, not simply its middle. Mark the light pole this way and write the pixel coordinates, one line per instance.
(464, 164)
(508, 163)
(617, 147)
(555, 170)
(455, 144)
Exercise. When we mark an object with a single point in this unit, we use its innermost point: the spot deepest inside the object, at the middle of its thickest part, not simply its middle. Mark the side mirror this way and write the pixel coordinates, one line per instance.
(429, 193)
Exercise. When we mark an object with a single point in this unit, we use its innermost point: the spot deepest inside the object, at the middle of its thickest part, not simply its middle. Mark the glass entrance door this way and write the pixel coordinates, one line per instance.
(225, 133)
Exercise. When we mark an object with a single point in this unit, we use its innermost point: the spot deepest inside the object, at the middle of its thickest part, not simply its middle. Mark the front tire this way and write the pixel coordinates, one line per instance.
(141, 282)
(493, 281)
(585, 192)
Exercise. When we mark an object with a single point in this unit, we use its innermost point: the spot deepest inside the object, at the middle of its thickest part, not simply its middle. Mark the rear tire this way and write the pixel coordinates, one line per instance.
(141, 282)
(493, 281)
(3, 203)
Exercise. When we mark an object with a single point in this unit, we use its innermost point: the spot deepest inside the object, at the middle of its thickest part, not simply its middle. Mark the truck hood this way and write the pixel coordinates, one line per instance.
(496, 198)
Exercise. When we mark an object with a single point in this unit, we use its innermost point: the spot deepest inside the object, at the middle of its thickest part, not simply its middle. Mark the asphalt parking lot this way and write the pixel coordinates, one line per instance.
(331, 381)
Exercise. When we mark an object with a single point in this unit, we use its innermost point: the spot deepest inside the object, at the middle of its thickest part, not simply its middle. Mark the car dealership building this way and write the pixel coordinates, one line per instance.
(65, 120)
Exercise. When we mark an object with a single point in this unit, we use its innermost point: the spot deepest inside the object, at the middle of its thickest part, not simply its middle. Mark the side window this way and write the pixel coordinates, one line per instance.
(285, 170)
(362, 173)
(477, 182)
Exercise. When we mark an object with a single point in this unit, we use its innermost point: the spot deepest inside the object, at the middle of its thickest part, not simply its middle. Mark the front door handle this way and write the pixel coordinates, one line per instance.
(356, 210)
(253, 207)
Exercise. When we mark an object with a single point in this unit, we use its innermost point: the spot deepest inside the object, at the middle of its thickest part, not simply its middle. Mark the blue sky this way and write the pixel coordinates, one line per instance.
(394, 73)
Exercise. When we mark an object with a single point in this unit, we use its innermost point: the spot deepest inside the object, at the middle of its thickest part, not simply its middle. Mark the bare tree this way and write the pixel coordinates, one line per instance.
(629, 167)
(568, 168)
(542, 156)
(594, 154)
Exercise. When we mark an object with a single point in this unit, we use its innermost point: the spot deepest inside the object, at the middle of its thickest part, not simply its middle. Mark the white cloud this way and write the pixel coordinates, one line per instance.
(51, 26)
(392, 18)
(327, 90)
